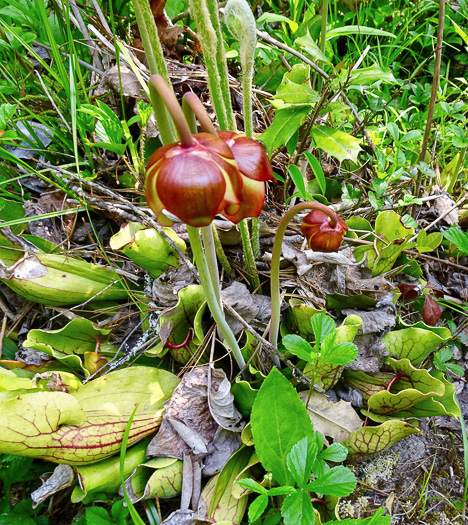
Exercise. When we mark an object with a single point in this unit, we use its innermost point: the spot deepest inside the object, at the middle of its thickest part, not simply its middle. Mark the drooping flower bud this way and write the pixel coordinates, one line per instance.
(193, 182)
(254, 168)
(321, 235)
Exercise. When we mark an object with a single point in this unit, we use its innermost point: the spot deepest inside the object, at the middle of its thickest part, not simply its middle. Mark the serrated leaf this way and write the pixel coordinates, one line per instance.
(257, 507)
(339, 354)
(279, 420)
(281, 491)
(336, 452)
(284, 125)
(297, 509)
(298, 346)
(322, 326)
(300, 460)
(338, 481)
(335, 143)
(457, 237)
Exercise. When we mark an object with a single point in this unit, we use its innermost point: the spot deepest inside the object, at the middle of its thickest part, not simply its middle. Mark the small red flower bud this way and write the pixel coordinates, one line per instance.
(320, 234)
(409, 292)
(431, 311)
(254, 168)
(194, 182)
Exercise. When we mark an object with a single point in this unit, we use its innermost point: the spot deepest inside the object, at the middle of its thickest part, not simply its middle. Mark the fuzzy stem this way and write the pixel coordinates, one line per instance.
(433, 99)
(205, 279)
(192, 105)
(275, 260)
(158, 84)
(205, 14)
(220, 251)
(249, 258)
(156, 64)
(211, 260)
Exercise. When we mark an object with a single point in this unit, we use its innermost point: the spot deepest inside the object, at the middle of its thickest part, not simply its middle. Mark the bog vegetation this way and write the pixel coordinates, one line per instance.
(233, 258)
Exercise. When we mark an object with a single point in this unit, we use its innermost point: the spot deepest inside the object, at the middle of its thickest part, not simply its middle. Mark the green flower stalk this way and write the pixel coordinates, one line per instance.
(324, 231)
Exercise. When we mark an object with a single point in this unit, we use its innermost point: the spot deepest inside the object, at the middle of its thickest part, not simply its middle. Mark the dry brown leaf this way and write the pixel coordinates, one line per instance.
(334, 420)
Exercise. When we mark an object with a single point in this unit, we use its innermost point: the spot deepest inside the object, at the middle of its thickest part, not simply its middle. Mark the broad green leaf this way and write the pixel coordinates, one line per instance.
(98, 516)
(292, 94)
(361, 77)
(336, 452)
(338, 481)
(310, 47)
(370, 440)
(335, 143)
(12, 210)
(284, 125)
(87, 425)
(281, 491)
(428, 243)
(415, 342)
(298, 346)
(297, 509)
(457, 237)
(388, 256)
(357, 30)
(279, 420)
(7, 111)
(460, 32)
(147, 247)
(389, 224)
(301, 459)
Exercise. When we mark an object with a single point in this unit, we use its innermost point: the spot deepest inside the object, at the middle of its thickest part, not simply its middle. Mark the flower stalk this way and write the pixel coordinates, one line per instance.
(205, 279)
(275, 261)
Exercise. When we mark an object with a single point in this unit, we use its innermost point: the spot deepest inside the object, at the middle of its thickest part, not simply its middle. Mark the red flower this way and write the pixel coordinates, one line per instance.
(320, 234)
(254, 168)
(194, 182)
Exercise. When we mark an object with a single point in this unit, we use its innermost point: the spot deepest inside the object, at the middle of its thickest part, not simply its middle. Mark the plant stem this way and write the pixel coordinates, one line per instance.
(205, 279)
(192, 106)
(435, 86)
(159, 85)
(323, 34)
(205, 14)
(156, 64)
(249, 258)
(220, 251)
(275, 261)
(211, 260)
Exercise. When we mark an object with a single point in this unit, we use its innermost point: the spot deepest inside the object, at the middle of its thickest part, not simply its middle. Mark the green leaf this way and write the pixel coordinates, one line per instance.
(6, 113)
(338, 301)
(340, 354)
(274, 17)
(298, 346)
(284, 125)
(291, 93)
(335, 143)
(376, 519)
(336, 452)
(301, 459)
(370, 440)
(279, 421)
(98, 516)
(297, 509)
(457, 237)
(322, 325)
(252, 485)
(415, 342)
(298, 179)
(119, 512)
(317, 170)
(357, 30)
(310, 47)
(338, 481)
(389, 224)
(428, 243)
(257, 507)
(281, 491)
